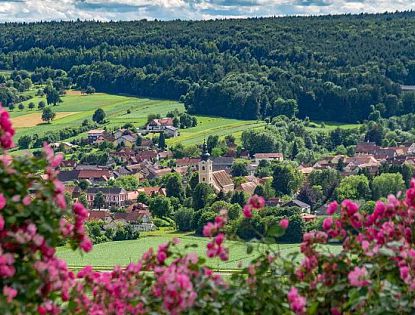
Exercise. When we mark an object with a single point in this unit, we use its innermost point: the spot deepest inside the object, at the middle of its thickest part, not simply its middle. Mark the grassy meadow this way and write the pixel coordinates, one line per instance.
(76, 107)
(106, 255)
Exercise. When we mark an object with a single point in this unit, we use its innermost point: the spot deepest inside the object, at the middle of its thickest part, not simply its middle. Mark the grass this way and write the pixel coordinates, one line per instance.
(121, 109)
(214, 126)
(106, 255)
(330, 125)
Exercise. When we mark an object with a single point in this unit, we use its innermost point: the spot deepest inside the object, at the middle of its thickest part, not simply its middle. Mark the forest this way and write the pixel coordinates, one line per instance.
(314, 67)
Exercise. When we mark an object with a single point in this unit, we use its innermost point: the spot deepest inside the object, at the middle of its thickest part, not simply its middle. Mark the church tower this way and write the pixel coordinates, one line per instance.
(205, 167)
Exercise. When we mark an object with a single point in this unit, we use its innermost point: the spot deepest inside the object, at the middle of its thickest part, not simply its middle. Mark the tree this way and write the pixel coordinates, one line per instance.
(212, 142)
(90, 90)
(162, 141)
(41, 105)
(386, 184)
(24, 142)
(287, 179)
(128, 182)
(52, 96)
(160, 206)
(259, 190)
(83, 199)
(21, 106)
(11, 107)
(31, 105)
(327, 179)
(311, 195)
(99, 116)
(173, 183)
(294, 150)
(184, 219)
(353, 187)
(83, 184)
(99, 200)
(48, 115)
(239, 168)
(200, 195)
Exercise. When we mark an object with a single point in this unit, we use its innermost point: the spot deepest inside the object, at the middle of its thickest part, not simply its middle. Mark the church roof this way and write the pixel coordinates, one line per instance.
(222, 178)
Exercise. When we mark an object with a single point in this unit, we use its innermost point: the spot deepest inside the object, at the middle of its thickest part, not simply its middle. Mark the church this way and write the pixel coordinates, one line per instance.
(219, 180)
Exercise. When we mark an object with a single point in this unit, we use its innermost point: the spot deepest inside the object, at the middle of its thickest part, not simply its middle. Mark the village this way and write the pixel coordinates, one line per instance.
(142, 158)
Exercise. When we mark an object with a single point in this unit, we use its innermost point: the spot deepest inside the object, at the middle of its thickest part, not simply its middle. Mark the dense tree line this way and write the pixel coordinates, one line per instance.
(252, 68)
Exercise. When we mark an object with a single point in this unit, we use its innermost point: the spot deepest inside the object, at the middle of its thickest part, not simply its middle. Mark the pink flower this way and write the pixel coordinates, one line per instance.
(86, 245)
(297, 302)
(247, 211)
(256, 202)
(404, 272)
(351, 207)
(209, 229)
(332, 207)
(284, 224)
(27, 200)
(358, 277)
(1, 223)
(3, 201)
(10, 293)
(327, 223)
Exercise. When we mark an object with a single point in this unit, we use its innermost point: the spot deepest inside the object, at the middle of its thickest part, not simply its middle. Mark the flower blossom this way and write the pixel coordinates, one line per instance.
(358, 277)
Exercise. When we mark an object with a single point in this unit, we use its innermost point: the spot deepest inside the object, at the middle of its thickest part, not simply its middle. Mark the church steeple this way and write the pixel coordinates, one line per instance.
(205, 166)
(205, 154)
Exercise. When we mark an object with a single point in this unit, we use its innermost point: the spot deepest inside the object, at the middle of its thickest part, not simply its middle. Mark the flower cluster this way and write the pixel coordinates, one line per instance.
(255, 202)
(6, 130)
(215, 247)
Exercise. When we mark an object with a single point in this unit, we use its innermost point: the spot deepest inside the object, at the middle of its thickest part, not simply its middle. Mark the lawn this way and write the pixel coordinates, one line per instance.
(106, 255)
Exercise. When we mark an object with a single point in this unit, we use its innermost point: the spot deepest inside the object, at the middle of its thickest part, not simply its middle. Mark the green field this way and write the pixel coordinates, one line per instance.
(106, 255)
(330, 125)
(76, 108)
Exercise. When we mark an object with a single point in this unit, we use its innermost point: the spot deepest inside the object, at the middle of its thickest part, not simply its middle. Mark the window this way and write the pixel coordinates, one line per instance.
(203, 168)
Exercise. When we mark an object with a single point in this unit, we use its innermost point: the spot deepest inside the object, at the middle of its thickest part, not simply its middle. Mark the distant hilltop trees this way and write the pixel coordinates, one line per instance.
(326, 68)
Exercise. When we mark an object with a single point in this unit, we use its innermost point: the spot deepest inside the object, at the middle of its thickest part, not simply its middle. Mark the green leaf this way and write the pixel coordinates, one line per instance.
(275, 230)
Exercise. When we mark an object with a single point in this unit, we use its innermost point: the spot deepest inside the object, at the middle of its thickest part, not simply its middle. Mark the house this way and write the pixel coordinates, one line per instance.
(68, 164)
(64, 145)
(188, 162)
(150, 155)
(273, 202)
(305, 208)
(96, 215)
(94, 134)
(364, 148)
(306, 170)
(223, 163)
(160, 124)
(140, 219)
(158, 172)
(126, 140)
(171, 132)
(248, 188)
(165, 155)
(114, 196)
(268, 157)
(92, 174)
(152, 191)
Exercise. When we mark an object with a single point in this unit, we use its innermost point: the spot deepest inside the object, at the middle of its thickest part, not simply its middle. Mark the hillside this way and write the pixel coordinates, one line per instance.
(244, 69)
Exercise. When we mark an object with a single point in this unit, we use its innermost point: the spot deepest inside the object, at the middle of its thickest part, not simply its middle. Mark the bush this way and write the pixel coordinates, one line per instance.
(161, 222)
(184, 219)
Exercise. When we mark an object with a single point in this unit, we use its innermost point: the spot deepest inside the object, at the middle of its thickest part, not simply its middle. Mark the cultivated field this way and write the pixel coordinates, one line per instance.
(34, 119)
(106, 255)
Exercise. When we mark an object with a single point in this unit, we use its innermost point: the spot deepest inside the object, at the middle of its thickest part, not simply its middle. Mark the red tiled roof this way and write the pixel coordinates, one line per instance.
(274, 155)
(98, 215)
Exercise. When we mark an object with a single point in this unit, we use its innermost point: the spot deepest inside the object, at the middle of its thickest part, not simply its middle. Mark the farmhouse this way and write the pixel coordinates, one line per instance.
(160, 124)
(94, 134)
(268, 157)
